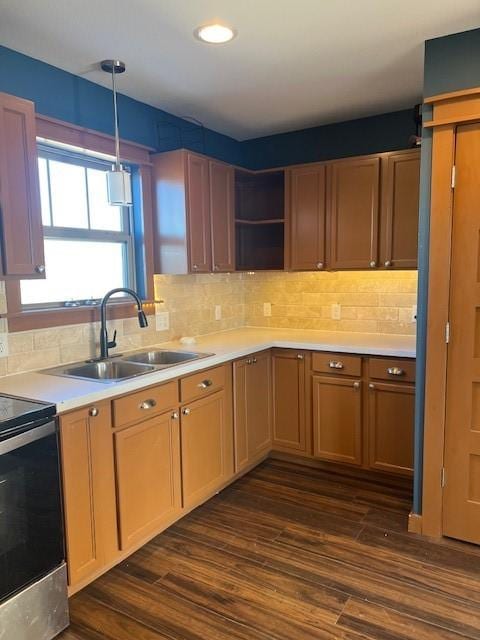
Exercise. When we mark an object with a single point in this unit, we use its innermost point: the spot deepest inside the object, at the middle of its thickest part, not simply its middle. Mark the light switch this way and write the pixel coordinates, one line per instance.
(336, 311)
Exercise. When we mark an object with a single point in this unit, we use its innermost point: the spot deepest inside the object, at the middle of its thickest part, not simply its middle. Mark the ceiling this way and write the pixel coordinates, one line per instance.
(294, 64)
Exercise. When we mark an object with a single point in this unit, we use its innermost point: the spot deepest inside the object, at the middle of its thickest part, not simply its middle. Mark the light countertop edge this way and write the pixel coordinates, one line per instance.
(70, 393)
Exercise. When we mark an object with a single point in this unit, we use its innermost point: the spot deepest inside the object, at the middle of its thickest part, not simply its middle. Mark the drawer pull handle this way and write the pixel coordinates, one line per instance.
(395, 371)
(334, 364)
(186, 411)
(148, 404)
(204, 384)
(300, 356)
(254, 360)
(249, 361)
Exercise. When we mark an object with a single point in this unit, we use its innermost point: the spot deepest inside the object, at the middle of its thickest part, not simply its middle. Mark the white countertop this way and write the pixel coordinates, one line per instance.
(70, 393)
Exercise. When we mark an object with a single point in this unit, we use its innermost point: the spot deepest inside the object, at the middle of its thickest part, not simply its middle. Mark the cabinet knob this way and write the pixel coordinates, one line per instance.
(395, 371)
(204, 384)
(249, 361)
(319, 265)
(40, 268)
(186, 411)
(388, 263)
(175, 415)
(216, 267)
(148, 404)
(373, 264)
(371, 385)
(300, 356)
(254, 361)
(356, 385)
(93, 412)
(195, 267)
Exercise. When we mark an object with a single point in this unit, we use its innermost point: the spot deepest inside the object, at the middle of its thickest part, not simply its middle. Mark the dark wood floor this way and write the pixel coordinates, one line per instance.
(289, 552)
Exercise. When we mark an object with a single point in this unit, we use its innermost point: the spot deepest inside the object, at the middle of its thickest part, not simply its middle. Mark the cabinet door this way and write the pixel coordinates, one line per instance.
(306, 224)
(88, 491)
(147, 460)
(353, 213)
(22, 232)
(222, 216)
(199, 235)
(289, 401)
(206, 447)
(399, 221)
(391, 409)
(253, 409)
(337, 419)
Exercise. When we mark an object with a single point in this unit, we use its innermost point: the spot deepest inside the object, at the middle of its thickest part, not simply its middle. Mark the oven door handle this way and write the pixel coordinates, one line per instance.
(27, 437)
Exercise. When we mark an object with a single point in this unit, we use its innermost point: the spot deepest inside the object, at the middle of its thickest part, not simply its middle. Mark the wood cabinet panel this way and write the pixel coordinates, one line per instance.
(400, 202)
(206, 447)
(147, 460)
(88, 490)
(307, 217)
(21, 218)
(198, 205)
(393, 369)
(337, 419)
(391, 409)
(289, 400)
(203, 383)
(252, 409)
(337, 363)
(143, 404)
(222, 216)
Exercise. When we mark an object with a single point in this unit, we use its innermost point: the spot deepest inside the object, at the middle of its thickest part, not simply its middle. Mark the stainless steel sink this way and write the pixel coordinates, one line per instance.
(103, 371)
(164, 358)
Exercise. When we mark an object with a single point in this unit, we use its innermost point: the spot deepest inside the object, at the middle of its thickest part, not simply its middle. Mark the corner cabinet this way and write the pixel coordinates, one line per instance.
(194, 202)
(21, 217)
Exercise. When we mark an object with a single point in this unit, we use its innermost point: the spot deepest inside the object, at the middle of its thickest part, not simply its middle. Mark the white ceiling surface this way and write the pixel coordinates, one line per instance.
(294, 63)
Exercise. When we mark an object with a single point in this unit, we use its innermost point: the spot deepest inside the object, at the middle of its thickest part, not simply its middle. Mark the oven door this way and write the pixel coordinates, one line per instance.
(31, 529)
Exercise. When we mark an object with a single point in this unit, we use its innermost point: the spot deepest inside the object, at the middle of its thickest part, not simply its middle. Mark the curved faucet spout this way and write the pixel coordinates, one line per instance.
(105, 345)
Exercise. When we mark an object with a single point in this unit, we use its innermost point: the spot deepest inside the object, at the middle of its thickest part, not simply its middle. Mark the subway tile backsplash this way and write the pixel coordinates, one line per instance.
(373, 302)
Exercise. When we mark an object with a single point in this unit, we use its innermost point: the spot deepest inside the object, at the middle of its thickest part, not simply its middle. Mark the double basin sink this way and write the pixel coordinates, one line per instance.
(124, 367)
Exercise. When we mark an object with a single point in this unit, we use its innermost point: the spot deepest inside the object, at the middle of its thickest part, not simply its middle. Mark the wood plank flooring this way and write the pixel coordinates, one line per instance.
(289, 553)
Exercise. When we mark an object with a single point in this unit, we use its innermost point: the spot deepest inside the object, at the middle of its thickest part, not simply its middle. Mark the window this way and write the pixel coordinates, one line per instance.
(88, 243)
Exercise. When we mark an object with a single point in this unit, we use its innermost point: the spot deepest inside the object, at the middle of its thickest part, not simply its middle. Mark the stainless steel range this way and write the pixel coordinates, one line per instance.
(33, 579)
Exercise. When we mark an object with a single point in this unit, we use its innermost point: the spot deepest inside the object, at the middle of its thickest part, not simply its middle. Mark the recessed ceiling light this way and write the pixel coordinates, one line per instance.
(214, 33)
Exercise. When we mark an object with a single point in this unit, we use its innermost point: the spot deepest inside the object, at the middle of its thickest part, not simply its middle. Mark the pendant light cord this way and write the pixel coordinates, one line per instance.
(115, 111)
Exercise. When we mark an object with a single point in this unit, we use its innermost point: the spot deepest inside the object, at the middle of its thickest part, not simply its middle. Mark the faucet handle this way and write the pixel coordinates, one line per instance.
(113, 343)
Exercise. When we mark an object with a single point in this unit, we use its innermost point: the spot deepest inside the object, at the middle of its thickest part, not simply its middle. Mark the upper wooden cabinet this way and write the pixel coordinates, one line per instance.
(21, 217)
(306, 218)
(353, 215)
(194, 213)
(400, 200)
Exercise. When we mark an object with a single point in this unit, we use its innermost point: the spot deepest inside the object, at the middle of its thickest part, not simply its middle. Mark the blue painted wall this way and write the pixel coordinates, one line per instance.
(62, 95)
(386, 132)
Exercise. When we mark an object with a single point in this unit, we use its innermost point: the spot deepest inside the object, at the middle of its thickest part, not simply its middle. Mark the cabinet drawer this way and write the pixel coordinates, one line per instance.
(202, 384)
(392, 369)
(143, 404)
(337, 363)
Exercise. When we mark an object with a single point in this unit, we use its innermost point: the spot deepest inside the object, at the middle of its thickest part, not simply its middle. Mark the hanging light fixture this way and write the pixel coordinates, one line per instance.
(119, 183)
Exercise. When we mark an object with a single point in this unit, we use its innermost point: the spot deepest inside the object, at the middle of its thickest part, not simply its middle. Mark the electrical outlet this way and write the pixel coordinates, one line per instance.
(414, 313)
(3, 345)
(336, 311)
(162, 321)
(267, 309)
(218, 312)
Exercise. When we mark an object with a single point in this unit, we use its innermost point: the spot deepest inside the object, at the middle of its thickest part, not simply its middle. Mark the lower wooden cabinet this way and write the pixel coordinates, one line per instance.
(290, 401)
(147, 460)
(88, 490)
(391, 410)
(252, 408)
(206, 446)
(337, 419)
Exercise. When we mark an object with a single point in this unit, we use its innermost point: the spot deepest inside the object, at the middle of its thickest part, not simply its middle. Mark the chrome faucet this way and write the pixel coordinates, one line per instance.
(105, 343)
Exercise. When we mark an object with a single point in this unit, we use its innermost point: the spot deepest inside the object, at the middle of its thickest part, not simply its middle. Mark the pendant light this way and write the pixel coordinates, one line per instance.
(119, 183)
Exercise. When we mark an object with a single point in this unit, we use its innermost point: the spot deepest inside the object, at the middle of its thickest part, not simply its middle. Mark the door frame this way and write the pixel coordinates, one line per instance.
(449, 111)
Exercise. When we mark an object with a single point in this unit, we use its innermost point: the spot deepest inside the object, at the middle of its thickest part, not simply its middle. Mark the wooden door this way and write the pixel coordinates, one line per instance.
(198, 206)
(88, 490)
(461, 515)
(391, 410)
(353, 203)
(222, 193)
(147, 461)
(206, 447)
(289, 400)
(21, 217)
(337, 419)
(253, 409)
(399, 218)
(307, 217)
